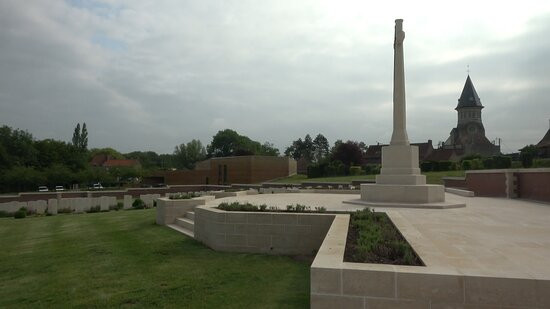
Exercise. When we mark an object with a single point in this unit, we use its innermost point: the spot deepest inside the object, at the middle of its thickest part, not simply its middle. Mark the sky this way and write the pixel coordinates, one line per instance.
(150, 75)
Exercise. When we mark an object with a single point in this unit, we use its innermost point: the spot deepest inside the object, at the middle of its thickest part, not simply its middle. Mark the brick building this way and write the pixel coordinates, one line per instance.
(229, 170)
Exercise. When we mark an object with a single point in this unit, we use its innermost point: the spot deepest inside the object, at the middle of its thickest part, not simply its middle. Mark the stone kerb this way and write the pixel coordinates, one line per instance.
(168, 210)
(338, 284)
(261, 232)
(223, 194)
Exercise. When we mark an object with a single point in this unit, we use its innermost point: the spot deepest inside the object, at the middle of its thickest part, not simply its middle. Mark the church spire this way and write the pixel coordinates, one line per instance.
(469, 97)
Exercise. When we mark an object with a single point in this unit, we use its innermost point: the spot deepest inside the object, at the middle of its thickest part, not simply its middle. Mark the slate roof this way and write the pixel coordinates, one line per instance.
(545, 141)
(469, 97)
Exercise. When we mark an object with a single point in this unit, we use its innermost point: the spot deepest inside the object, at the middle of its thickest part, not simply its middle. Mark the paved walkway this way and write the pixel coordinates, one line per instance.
(489, 237)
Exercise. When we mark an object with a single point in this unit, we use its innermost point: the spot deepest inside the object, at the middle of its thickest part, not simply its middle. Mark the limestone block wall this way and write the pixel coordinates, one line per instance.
(339, 284)
(168, 210)
(261, 232)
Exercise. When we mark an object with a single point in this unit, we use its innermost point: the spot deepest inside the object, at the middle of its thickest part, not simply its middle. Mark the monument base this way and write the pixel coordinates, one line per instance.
(402, 193)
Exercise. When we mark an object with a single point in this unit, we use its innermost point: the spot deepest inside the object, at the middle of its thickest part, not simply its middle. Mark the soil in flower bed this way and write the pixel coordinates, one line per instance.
(372, 238)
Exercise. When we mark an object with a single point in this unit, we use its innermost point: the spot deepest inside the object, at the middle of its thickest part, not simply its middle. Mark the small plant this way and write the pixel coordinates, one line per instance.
(138, 204)
(183, 196)
(289, 207)
(117, 207)
(64, 211)
(320, 209)
(21, 213)
(263, 207)
(93, 209)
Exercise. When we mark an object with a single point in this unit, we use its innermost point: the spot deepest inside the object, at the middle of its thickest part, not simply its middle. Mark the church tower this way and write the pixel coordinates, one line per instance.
(469, 135)
(469, 110)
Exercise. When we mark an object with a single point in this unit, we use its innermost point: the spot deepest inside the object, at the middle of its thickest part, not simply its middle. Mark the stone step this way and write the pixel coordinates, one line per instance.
(190, 215)
(186, 223)
(182, 230)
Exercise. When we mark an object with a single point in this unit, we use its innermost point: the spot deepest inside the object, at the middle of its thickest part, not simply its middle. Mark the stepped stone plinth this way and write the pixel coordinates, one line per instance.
(400, 183)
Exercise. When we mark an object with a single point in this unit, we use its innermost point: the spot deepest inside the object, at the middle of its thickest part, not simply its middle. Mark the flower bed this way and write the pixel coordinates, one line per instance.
(372, 238)
(236, 206)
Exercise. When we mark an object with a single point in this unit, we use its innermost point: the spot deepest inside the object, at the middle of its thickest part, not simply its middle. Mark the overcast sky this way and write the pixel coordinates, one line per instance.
(148, 75)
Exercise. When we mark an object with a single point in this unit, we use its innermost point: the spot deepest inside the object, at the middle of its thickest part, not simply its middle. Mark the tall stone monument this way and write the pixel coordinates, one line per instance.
(400, 183)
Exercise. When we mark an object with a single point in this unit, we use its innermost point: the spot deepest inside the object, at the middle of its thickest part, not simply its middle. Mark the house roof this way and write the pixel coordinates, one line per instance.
(545, 141)
(120, 163)
(469, 97)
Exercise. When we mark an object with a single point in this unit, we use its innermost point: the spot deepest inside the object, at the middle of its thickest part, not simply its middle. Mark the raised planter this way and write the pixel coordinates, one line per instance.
(222, 194)
(261, 232)
(338, 284)
(168, 210)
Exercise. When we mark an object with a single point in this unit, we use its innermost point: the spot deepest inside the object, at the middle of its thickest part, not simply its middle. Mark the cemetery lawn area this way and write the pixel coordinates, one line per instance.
(431, 178)
(122, 258)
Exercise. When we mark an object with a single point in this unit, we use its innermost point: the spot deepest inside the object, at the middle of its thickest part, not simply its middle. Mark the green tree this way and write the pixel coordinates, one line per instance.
(321, 148)
(83, 143)
(527, 154)
(76, 135)
(230, 143)
(186, 155)
(80, 138)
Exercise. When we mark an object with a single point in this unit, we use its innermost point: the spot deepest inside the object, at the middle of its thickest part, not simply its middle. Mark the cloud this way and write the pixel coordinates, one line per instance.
(148, 75)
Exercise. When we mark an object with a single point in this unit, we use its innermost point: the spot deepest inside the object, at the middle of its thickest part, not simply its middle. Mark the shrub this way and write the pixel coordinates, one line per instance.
(182, 196)
(426, 166)
(541, 163)
(444, 165)
(316, 170)
(355, 170)
(21, 213)
(336, 168)
(466, 165)
(502, 161)
(371, 169)
(93, 209)
(64, 211)
(236, 206)
(138, 204)
(516, 164)
(477, 164)
(5, 214)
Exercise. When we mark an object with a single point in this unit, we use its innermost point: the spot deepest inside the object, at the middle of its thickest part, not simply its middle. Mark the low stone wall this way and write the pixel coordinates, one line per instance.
(169, 210)
(261, 232)
(339, 284)
(74, 204)
(526, 183)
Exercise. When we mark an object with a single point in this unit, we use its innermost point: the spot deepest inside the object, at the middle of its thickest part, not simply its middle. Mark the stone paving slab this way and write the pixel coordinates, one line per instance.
(493, 237)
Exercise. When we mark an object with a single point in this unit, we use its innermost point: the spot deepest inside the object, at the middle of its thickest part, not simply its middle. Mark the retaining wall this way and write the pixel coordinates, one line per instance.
(261, 232)
(339, 284)
(169, 210)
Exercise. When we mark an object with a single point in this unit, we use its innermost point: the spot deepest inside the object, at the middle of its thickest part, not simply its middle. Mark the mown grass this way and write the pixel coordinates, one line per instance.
(122, 259)
(431, 178)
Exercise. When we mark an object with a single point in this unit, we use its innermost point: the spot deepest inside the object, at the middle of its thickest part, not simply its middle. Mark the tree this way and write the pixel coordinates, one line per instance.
(268, 149)
(349, 153)
(186, 155)
(527, 154)
(80, 138)
(76, 135)
(321, 148)
(83, 144)
(230, 143)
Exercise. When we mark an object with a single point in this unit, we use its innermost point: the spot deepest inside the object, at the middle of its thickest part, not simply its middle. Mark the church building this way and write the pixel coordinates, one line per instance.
(468, 137)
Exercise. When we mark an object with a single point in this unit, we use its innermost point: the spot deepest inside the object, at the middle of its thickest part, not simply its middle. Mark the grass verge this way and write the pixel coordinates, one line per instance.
(431, 178)
(123, 258)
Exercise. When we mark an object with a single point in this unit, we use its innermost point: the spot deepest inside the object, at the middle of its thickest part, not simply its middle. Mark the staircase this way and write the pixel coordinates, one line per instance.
(185, 224)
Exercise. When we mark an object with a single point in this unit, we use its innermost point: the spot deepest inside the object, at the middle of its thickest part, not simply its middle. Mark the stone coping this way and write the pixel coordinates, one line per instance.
(511, 170)
(339, 284)
(436, 205)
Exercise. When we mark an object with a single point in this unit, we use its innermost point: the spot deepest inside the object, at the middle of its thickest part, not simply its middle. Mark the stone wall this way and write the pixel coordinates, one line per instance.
(169, 210)
(339, 284)
(261, 232)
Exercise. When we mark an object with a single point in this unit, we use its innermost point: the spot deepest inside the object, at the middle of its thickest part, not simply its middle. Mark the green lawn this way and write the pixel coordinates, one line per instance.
(431, 177)
(122, 258)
